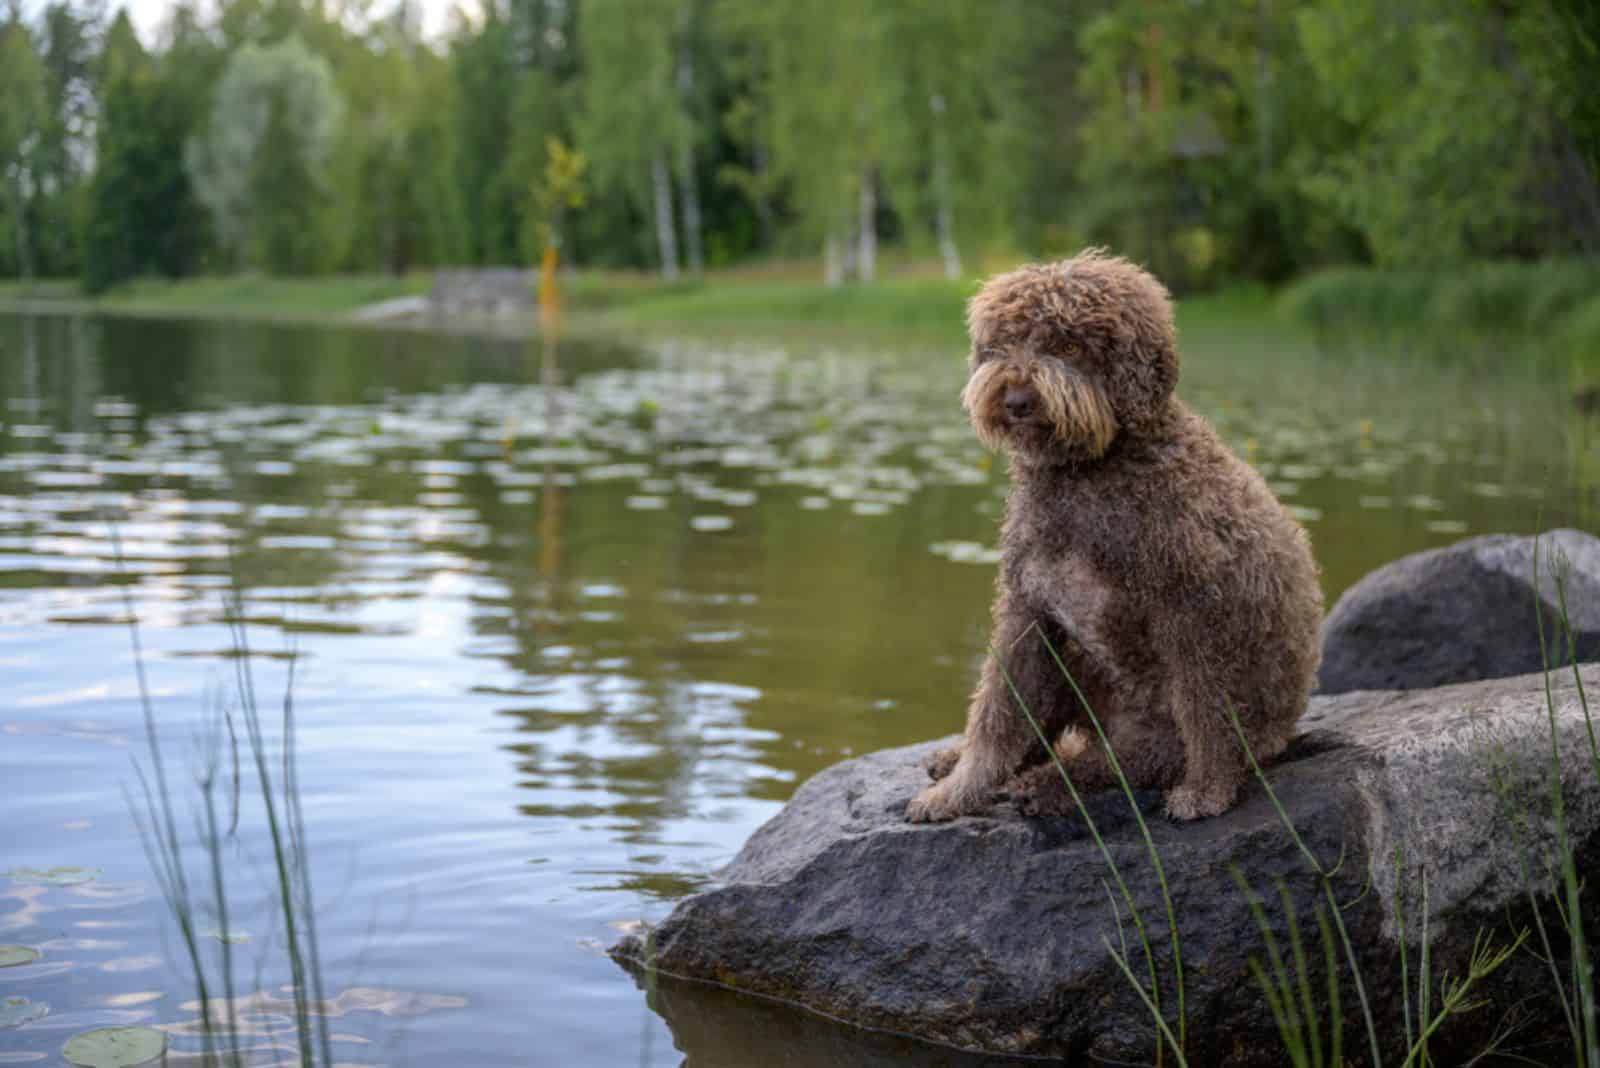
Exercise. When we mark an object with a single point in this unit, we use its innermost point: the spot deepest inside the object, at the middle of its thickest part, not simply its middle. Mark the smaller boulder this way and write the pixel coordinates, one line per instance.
(1463, 613)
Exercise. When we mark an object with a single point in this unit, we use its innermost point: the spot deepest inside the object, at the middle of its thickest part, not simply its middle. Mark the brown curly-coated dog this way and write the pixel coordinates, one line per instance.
(1156, 563)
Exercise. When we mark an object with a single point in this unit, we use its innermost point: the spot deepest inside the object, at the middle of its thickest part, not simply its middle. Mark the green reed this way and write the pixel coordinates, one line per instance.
(1144, 832)
(156, 822)
(286, 830)
(1152, 998)
(164, 847)
(1586, 1039)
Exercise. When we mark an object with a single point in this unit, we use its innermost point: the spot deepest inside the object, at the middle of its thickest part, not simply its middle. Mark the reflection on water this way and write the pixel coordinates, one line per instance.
(562, 646)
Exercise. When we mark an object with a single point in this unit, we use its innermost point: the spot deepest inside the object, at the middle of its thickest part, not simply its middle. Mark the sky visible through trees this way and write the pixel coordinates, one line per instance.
(1213, 140)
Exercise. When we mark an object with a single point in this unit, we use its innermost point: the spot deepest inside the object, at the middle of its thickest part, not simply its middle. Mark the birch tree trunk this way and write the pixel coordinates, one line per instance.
(688, 183)
(944, 210)
(944, 222)
(666, 230)
(20, 216)
(867, 229)
(762, 201)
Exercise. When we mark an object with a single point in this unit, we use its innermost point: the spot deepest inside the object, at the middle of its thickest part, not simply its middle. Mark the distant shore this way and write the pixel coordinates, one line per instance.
(1543, 317)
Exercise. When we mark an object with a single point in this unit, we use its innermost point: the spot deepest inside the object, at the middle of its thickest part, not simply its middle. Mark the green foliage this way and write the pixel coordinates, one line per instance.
(262, 164)
(561, 187)
(1544, 313)
(1421, 190)
(140, 215)
(822, 96)
(23, 111)
(1213, 141)
(631, 108)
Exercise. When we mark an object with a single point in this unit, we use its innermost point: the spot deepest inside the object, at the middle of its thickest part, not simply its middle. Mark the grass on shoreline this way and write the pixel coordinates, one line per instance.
(1543, 317)
(773, 297)
(223, 296)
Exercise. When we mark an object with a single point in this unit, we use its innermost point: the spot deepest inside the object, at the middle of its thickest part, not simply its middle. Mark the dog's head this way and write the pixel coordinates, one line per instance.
(1066, 356)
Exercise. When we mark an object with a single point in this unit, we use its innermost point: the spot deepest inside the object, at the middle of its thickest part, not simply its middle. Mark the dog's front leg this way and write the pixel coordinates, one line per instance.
(1213, 762)
(998, 737)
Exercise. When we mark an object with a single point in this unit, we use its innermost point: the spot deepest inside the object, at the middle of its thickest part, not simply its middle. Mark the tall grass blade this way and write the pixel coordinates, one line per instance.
(1144, 831)
(1400, 928)
(1424, 973)
(1155, 1011)
(163, 825)
(1577, 675)
(1330, 960)
(219, 891)
(1275, 984)
(1582, 971)
(1455, 995)
(281, 853)
(302, 857)
(1302, 972)
(1326, 876)
(1154, 997)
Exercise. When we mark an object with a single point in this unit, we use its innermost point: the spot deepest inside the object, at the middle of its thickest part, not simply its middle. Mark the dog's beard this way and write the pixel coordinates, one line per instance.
(1075, 415)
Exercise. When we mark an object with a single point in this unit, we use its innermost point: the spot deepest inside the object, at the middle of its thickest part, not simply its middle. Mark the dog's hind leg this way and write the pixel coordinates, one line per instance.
(1042, 791)
(1144, 757)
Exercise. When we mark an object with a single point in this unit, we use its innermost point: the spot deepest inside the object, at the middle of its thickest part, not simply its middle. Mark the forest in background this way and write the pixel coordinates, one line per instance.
(1214, 140)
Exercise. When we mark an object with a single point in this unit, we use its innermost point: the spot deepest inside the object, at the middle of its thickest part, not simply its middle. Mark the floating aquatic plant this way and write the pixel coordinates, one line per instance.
(62, 876)
(14, 1012)
(12, 956)
(115, 1047)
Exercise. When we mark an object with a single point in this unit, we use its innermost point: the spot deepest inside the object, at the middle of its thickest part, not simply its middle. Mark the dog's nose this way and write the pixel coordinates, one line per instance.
(1019, 402)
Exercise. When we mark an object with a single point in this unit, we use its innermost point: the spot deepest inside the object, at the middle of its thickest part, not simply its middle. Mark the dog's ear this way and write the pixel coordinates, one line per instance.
(1144, 370)
(984, 312)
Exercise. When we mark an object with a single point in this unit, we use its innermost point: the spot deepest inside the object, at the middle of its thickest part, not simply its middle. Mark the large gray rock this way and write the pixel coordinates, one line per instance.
(990, 932)
(1461, 613)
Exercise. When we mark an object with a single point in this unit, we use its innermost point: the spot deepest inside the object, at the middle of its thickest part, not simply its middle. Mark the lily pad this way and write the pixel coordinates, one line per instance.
(11, 956)
(233, 937)
(115, 1047)
(14, 1012)
(64, 876)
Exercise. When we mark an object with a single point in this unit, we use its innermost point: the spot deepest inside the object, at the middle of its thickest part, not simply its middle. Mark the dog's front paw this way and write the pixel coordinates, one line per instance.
(943, 762)
(936, 804)
(1193, 803)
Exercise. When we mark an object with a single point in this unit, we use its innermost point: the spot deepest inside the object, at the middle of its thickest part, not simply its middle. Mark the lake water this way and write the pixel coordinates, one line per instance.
(557, 652)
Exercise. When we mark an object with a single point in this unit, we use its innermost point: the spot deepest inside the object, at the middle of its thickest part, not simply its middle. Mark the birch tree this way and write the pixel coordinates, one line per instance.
(820, 107)
(23, 113)
(632, 121)
(261, 165)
